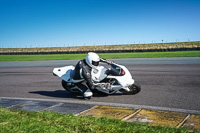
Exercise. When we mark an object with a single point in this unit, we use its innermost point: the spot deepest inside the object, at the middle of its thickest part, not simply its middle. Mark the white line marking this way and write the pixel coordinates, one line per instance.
(78, 114)
(183, 121)
(25, 102)
(131, 115)
(58, 104)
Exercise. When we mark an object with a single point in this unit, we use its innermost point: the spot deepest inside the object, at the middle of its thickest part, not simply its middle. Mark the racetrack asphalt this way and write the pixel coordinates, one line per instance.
(166, 82)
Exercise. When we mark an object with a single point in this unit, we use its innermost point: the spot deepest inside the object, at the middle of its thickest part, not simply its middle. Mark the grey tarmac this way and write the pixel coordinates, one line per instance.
(166, 82)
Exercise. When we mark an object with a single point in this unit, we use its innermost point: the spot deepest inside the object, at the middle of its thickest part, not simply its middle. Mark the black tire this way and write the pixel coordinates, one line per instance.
(134, 89)
(67, 87)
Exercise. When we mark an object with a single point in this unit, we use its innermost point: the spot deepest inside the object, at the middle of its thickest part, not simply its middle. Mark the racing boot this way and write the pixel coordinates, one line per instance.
(87, 94)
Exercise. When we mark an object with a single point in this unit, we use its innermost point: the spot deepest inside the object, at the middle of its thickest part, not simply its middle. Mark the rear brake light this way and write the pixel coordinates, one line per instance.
(123, 72)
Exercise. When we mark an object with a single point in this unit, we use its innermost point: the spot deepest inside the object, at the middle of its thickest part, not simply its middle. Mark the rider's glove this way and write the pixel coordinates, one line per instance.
(108, 61)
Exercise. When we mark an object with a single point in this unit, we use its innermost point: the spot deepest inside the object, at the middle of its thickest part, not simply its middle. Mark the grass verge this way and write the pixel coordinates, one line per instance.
(102, 55)
(23, 121)
(152, 46)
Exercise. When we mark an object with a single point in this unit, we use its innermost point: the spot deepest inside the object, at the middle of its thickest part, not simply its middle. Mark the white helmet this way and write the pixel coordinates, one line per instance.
(92, 59)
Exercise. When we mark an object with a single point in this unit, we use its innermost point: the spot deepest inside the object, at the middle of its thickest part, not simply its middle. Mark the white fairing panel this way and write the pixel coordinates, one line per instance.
(62, 70)
(65, 73)
(125, 80)
(98, 74)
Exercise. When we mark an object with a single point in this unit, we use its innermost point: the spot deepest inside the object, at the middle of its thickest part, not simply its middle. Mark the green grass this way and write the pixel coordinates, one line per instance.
(102, 55)
(45, 122)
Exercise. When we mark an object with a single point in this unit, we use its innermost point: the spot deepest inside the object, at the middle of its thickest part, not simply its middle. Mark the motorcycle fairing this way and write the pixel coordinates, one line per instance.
(125, 80)
(99, 74)
(116, 70)
(65, 73)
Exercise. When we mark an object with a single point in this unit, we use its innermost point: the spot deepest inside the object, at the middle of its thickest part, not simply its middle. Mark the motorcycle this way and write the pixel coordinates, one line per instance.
(107, 80)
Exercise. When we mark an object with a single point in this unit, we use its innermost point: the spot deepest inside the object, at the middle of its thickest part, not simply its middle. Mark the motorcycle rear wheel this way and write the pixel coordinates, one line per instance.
(67, 87)
(134, 89)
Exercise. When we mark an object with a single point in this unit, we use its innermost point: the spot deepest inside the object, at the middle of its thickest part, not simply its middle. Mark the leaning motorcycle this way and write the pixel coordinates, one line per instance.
(107, 80)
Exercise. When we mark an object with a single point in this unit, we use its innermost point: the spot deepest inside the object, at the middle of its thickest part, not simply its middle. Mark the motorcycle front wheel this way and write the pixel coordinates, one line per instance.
(67, 86)
(134, 89)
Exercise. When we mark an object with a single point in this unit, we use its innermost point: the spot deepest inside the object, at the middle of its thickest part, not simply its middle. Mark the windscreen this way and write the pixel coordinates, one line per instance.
(116, 70)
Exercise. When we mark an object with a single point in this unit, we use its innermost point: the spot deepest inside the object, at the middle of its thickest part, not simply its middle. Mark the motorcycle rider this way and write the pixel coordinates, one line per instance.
(83, 70)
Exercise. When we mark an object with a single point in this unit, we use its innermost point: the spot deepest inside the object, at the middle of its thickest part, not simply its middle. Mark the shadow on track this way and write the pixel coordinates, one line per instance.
(66, 94)
(57, 94)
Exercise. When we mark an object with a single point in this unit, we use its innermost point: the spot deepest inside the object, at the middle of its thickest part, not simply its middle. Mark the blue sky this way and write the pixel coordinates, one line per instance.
(54, 23)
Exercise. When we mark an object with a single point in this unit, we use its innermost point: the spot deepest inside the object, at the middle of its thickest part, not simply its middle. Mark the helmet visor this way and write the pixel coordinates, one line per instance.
(95, 63)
